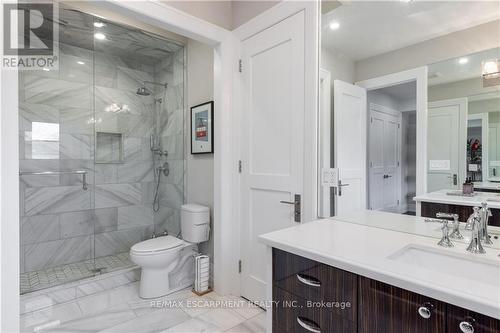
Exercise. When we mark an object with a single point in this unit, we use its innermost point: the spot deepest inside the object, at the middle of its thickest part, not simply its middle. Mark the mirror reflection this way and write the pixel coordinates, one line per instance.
(464, 108)
(409, 122)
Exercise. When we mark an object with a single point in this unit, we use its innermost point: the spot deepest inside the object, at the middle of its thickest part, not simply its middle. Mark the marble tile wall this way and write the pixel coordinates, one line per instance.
(172, 70)
(59, 115)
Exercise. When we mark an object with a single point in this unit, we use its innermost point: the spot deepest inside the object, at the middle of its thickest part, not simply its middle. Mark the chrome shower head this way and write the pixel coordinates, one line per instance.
(143, 91)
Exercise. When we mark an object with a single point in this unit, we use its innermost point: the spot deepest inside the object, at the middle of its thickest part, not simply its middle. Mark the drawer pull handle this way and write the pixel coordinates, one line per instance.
(425, 310)
(467, 325)
(309, 325)
(310, 281)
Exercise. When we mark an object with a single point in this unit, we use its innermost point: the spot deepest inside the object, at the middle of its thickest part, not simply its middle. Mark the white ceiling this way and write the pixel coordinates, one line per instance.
(369, 28)
(451, 70)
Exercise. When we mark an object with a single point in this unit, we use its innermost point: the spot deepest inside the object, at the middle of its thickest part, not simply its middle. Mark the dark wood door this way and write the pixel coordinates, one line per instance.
(387, 309)
(462, 320)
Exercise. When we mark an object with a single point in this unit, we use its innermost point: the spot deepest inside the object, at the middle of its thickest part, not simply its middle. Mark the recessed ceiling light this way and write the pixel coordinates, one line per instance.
(99, 36)
(334, 25)
(46, 69)
(80, 63)
(406, 0)
(99, 24)
(463, 61)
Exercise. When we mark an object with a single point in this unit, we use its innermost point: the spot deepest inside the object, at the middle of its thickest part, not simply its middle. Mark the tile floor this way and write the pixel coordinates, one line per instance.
(46, 278)
(121, 310)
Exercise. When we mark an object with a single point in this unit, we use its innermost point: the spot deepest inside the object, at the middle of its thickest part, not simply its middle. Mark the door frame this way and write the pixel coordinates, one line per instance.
(261, 22)
(462, 129)
(484, 117)
(419, 75)
(325, 138)
(374, 107)
(162, 16)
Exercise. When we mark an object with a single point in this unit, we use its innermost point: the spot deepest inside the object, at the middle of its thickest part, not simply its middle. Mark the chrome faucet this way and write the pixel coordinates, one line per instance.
(475, 223)
(455, 233)
(445, 240)
(485, 214)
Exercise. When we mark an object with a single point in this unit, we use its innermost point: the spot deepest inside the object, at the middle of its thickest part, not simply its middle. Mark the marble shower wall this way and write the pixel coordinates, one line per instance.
(59, 115)
(172, 70)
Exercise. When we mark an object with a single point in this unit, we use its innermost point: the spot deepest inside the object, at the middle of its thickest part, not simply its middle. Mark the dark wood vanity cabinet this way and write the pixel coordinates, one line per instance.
(387, 309)
(313, 297)
(311, 294)
(462, 320)
(430, 209)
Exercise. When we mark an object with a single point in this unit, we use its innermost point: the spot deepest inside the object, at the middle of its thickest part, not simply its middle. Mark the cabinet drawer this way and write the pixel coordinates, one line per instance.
(291, 314)
(462, 320)
(316, 282)
(388, 309)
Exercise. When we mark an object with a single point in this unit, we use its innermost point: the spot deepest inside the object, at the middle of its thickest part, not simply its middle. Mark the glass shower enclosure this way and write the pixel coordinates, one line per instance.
(101, 150)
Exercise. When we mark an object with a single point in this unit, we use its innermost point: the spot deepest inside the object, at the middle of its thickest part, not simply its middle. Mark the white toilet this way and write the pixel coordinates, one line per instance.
(158, 256)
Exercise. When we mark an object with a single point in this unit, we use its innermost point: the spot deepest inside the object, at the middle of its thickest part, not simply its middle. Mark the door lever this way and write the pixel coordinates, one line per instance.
(339, 185)
(296, 207)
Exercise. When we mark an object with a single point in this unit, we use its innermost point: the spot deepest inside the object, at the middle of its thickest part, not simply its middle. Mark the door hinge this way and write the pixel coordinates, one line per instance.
(240, 66)
(239, 266)
(398, 202)
(371, 119)
(398, 163)
(398, 125)
(239, 166)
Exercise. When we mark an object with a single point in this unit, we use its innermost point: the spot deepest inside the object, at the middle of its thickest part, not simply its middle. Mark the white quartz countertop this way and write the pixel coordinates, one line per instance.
(493, 199)
(366, 251)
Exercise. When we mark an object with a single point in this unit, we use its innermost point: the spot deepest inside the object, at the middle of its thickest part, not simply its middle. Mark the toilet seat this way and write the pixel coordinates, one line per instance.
(156, 245)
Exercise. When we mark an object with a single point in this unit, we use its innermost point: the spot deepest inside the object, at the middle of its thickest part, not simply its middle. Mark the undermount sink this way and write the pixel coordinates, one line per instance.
(477, 269)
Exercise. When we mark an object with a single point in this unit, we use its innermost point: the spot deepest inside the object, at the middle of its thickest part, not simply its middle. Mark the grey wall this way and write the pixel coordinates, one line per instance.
(200, 168)
(226, 14)
(475, 39)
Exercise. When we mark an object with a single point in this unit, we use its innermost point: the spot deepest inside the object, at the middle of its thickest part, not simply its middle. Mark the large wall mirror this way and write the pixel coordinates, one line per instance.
(464, 121)
(409, 101)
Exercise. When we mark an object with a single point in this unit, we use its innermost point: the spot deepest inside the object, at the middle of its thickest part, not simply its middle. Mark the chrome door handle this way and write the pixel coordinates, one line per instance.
(296, 207)
(310, 281)
(309, 325)
(339, 185)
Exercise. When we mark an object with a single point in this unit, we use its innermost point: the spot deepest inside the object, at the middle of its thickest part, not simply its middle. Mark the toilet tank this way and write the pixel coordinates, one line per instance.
(195, 223)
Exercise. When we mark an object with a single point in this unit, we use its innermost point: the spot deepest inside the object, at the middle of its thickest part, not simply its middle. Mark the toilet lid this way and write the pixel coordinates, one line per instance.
(157, 244)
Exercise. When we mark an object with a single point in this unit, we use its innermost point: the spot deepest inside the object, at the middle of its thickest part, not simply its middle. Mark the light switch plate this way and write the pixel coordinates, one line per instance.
(329, 177)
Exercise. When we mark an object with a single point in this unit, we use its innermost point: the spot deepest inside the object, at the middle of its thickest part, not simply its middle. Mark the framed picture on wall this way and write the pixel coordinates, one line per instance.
(202, 128)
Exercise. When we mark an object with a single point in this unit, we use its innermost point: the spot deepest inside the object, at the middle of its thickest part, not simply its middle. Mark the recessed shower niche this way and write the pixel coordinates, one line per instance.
(108, 147)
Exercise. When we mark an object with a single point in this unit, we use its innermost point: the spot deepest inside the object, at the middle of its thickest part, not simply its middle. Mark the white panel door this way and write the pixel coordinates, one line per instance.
(272, 133)
(446, 148)
(392, 185)
(384, 155)
(350, 127)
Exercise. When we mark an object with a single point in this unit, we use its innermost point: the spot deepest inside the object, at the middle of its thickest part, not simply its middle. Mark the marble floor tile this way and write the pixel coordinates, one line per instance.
(122, 310)
(153, 322)
(194, 325)
(223, 318)
(256, 324)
